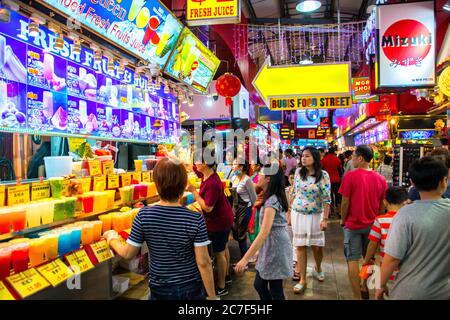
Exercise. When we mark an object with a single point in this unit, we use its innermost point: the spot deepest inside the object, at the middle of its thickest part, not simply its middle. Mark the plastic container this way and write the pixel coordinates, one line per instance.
(19, 256)
(19, 218)
(5, 220)
(87, 203)
(106, 220)
(136, 192)
(111, 196)
(33, 215)
(51, 245)
(70, 205)
(56, 185)
(47, 211)
(117, 221)
(5, 262)
(127, 219)
(126, 194)
(58, 166)
(98, 225)
(138, 165)
(120, 284)
(36, 252)
(59, 210)
(152, 192)
(64, 242)
(87, 233)
(75, 238)
(143, 190)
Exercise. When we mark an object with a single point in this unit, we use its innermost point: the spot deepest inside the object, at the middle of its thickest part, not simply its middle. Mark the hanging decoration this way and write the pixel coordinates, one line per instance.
(228, 86)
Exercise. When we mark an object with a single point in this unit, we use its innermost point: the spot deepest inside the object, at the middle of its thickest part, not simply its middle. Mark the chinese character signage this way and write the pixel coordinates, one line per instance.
(406, 45)
(208, 12)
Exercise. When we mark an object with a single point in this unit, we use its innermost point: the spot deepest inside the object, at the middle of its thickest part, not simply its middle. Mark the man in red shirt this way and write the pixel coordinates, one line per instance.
(362, 193)
(332, 165)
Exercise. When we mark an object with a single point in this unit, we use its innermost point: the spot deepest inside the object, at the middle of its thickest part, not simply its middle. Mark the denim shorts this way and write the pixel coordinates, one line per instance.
(355, 243)
(189, 291)
(219, 240)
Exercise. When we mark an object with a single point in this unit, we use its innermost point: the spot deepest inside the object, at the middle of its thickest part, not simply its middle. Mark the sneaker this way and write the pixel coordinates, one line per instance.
(228, 280)
(318, 275)
(221, 292)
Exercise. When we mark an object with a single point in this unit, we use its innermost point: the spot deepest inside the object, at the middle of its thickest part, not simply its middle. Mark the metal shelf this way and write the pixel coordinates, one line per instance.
(118, 205)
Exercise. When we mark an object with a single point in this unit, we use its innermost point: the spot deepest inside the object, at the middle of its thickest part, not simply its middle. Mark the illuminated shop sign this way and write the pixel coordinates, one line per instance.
(208, 12)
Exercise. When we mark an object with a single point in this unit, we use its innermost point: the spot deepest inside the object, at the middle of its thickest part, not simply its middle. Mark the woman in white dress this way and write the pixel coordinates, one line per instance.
(309, 214)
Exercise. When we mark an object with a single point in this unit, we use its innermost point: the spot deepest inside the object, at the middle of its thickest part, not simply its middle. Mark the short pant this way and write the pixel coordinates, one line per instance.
(355, 243)
(219, 240)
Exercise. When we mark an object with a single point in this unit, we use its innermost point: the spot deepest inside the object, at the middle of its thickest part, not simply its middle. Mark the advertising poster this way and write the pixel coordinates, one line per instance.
(310, 118)
(46, 110)
(145, 127)
(13, 59)
(46, 70)
(406, 45)
(192, 62)
(143, 27)
(81, 82)
(82, 116)
(13, 104)
(129, 124)
(107, 90)
(125, 96)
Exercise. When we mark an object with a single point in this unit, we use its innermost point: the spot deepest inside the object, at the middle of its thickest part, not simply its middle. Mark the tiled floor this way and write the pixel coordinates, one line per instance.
(335, 287)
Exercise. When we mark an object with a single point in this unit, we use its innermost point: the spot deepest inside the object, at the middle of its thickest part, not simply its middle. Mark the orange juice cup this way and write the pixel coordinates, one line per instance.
(128, 220)
(98, 225)
(36, 252)
(138, 165)
(117, 222)
(111, 195)
(19, 218)
(106, 222)
(87, 233)
(5, 221)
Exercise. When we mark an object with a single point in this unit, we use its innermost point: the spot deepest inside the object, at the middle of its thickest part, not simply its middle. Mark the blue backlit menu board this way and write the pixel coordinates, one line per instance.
(192, 62)
(48, 90)
(145, 28)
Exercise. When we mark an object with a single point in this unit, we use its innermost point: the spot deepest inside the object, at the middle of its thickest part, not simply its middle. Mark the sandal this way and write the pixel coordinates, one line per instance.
(299, 288)
(296, 276)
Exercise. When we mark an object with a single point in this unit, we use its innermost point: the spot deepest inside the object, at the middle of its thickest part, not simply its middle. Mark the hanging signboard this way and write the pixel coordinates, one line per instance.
(296, 87)
(209, 12)
(361, 90)
(406, 45)
(145, 28)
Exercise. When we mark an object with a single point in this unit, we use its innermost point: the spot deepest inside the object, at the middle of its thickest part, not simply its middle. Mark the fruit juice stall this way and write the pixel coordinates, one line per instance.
(79, 122)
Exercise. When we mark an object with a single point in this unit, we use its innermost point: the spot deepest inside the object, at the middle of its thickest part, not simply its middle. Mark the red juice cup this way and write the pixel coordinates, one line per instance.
(19, 219)
(5, 221)
(136, 192)
(19, 257)
(88, 203)
(143, 191)
(5, 262)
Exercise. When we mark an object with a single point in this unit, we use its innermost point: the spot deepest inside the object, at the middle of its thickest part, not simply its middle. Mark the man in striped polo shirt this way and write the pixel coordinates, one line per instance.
(394, 200)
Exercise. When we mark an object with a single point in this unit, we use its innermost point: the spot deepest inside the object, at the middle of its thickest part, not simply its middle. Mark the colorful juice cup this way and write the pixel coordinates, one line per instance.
(100, 201)
(126, 194)
(136, 192)
(33, 215)
(70, 206)
(106, 220)
(75, 238)
(111, 195)
(88, 203)
(56, 185)
(36, 252)
(59, 210)
(5, 262)
(19, 256)
(138, 165)
(47, 212)
(5, 221)
(127, 220)
(143, 190)
(51, 246)
(87, 233)
(117, 222)
(97, 225)
(152, 192)
(19, 219)
(64, 242)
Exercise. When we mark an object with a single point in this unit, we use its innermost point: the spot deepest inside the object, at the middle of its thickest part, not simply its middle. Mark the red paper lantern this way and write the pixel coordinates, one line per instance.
(228, 85)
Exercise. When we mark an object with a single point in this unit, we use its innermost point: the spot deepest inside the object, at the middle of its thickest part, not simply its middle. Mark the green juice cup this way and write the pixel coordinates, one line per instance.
(56, 185)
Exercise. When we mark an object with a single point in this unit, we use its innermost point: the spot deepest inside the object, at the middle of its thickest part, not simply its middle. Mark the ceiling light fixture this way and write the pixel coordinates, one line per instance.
(308, 6)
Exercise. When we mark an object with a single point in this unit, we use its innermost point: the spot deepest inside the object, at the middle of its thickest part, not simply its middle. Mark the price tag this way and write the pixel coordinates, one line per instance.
(74, 143)
(101, 251)
(146, 176)
(137, 176)
(18, 194)
(94, 167)
(108, 167)
(86, 184)
(2, 195)
(126, 179)
(55, 272)
(65, 187)
(99, 183)
(79, 261)
(28, 282)
(113, 181)
(4, 293)
(40, 190)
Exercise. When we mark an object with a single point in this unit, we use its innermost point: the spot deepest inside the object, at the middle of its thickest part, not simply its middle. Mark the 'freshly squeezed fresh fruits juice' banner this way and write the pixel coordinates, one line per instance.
(48, 90)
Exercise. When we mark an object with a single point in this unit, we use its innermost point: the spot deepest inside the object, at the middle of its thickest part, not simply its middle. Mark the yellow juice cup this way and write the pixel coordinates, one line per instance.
(36, 252)
(138, 165)
(127, 220)
(111, 195)
(117, 222)
(33, 215)
(98, 225)
(51, 246)
(152, 192)
(100, 201)
(106, 220)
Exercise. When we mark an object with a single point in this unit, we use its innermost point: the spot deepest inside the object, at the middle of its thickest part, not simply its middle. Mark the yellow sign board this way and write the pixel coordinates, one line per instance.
(40, 190)
(301, 103)
(146, 176)
(208, 12)
(28, 282)
(74, 143)
(18, 194)
(55, 272)
(101, 251)
(86, 184)
(327, 80)
(99, 183)
(126, 179)
(113, 181)
(2, 195)
(108, 167)
(137, 176)
(4, 293)
(94, 167)
(79, 261)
